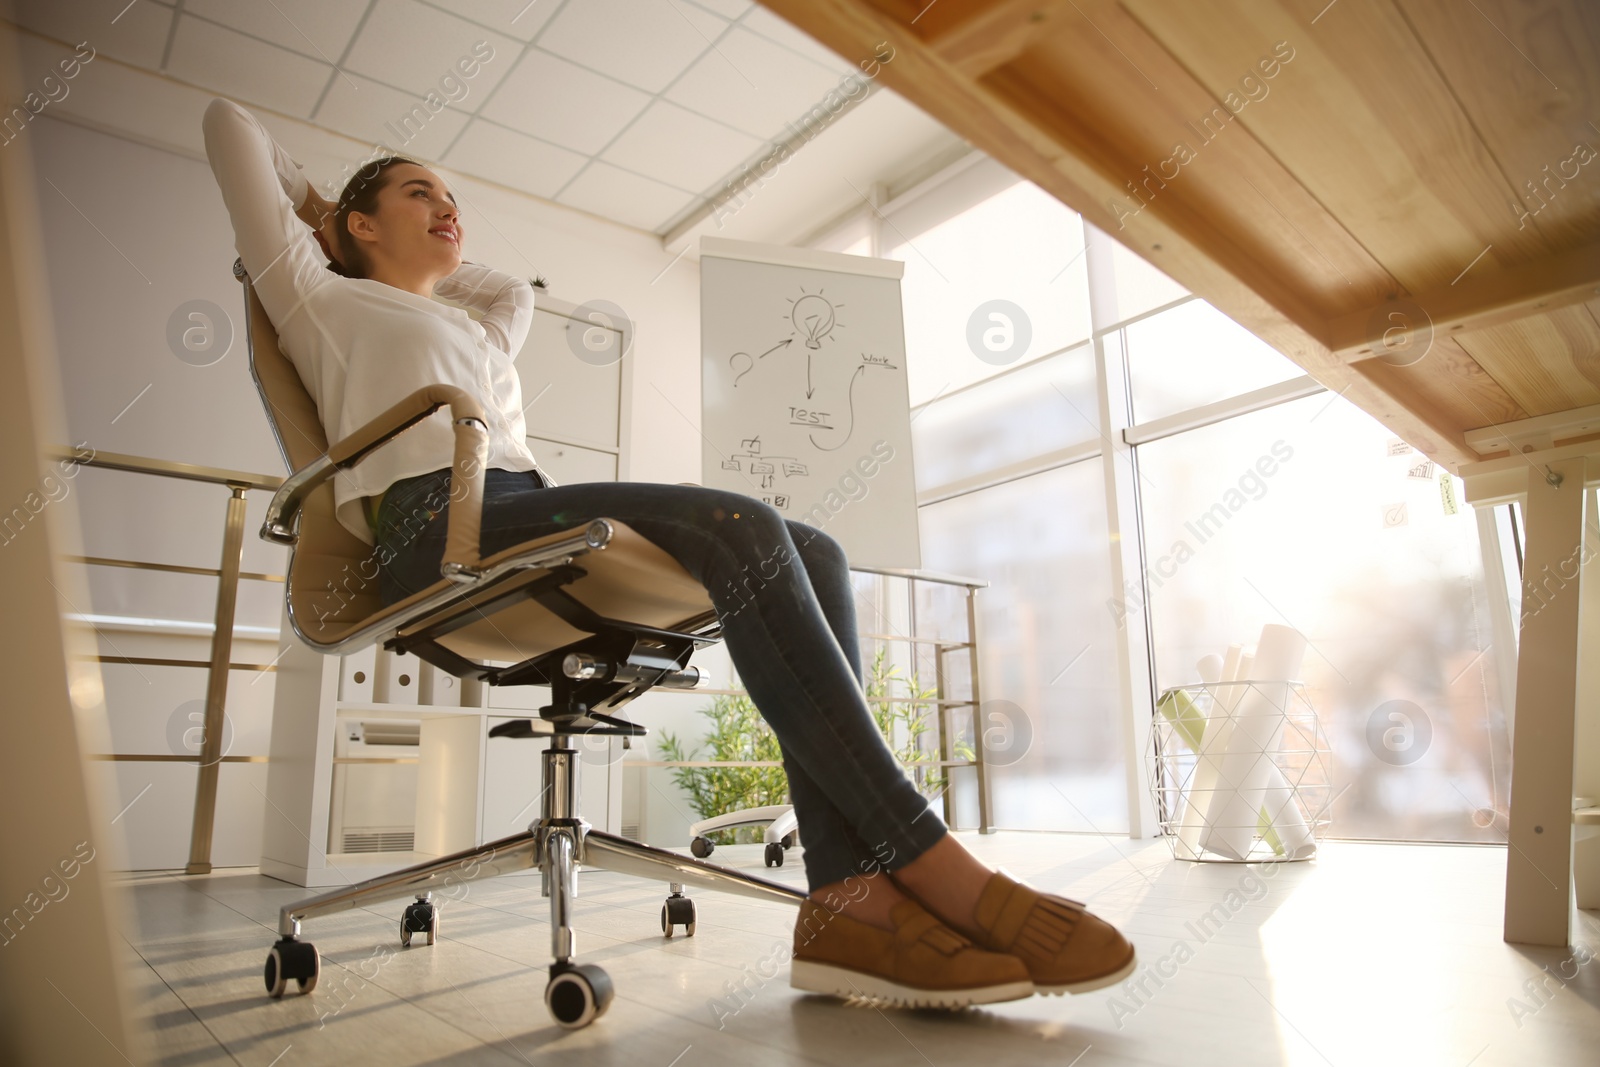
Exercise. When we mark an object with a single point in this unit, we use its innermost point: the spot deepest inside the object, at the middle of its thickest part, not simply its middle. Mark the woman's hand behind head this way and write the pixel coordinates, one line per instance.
(327, 237)
(319, 213)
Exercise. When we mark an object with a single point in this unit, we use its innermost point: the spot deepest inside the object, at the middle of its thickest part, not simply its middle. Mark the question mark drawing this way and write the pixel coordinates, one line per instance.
(741, 374)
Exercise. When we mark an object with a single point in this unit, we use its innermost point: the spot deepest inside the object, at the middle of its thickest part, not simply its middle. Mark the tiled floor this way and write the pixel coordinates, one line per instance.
(1368, 955)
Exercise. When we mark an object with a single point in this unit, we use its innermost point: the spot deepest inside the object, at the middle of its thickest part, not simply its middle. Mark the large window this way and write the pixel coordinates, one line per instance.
(987, 424)
(1040, 408)
(1049, 706)
(1020, 246)
(1192, 355)
(1307, 513)
(1303, 515)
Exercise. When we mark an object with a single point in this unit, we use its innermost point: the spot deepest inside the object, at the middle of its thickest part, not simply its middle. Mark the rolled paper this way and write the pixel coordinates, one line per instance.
(1223, 743)
(1181, 710)
(1232, 693)
(1188, 721)
(1230, 667)
(1218, 742)
(1203, 779)
(1267, 833)
(1290, 834)
(1257, 723)
(1277, 810)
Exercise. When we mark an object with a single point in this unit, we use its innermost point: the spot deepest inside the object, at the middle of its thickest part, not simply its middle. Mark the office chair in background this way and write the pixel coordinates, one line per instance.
(782, 830)
(598, 613)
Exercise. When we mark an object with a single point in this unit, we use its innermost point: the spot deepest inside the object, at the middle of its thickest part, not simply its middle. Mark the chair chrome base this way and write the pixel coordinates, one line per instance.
(556, 843)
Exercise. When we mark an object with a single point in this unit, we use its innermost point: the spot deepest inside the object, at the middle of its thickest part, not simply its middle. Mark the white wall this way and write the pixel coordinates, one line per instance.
(134, 227)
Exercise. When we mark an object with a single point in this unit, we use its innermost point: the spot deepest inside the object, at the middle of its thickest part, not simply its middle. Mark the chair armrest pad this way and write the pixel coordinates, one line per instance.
(461, 557)
(383, 428)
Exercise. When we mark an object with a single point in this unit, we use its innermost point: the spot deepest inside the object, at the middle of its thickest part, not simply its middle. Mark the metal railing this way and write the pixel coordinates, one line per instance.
(228, 575)
(940, 649)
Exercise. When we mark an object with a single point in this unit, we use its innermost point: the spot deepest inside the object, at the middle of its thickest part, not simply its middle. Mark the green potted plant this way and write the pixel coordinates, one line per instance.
(903, 718)
(739, 734)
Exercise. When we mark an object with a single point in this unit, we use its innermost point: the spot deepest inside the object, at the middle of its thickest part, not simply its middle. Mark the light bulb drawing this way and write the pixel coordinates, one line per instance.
(813, 317)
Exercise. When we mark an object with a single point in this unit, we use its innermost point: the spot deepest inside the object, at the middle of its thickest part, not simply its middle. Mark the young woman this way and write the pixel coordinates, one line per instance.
(897, 908)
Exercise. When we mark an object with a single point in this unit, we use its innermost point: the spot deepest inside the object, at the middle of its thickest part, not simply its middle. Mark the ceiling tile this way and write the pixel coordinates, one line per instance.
(243, 67)
(643, 42)
(628, 198)
(316, 28)
(774, 28)
(570, 105)
(726, 8)
(137, 36)
(513, 159)
(583, 89)
(376, 114)
(116, 96)
(680, 148)
(521, 19)
(417, 48)
(770, 87)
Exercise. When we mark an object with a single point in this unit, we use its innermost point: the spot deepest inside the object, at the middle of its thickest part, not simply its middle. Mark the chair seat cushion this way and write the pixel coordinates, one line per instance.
(631, 579)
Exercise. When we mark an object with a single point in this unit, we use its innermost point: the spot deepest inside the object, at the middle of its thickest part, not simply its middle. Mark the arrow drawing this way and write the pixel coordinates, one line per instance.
(733, 359)
(850, 396)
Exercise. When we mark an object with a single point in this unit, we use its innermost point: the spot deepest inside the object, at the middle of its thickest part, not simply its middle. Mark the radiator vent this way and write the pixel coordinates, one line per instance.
(630, 830)
(370, 840)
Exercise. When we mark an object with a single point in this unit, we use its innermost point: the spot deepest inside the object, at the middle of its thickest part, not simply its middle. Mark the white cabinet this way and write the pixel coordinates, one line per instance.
(571, 383)
(349, 788)
(576, 380)
(569, 463)
(396, 678)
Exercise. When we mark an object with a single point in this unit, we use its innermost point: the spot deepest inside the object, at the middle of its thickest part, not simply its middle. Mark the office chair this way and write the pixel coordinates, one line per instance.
(597, 612)
(782, 829)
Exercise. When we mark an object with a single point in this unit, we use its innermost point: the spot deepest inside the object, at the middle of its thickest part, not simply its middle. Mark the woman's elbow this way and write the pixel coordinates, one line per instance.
(220, 110)
(221, 115)
(522, 299)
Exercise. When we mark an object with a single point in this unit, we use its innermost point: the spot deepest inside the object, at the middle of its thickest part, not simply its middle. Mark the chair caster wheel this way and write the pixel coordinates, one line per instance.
(701, 847)
(774, 855)
(678, 910)
(292, 959)
(788, 840)
(578, 994)
(419, 918)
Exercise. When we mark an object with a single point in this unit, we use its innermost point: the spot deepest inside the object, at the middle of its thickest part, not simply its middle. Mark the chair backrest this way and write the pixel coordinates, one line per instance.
(332, 574)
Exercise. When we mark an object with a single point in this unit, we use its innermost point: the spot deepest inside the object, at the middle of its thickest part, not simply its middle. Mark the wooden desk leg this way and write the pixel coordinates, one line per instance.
(1586, 734)
(1539, 859)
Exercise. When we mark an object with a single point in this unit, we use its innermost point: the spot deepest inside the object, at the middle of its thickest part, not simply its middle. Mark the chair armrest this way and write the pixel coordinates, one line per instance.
(461, 554)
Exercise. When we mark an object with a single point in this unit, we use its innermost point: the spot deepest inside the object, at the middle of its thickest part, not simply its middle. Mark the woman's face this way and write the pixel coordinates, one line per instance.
(416, 224)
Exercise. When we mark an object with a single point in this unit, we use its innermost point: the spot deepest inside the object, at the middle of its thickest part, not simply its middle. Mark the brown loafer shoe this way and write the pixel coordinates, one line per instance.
(1065, 948)
(922, 963)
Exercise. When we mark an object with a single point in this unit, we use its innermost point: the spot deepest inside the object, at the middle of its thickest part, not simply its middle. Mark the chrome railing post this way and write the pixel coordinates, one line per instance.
(984, 826)
(205, 797)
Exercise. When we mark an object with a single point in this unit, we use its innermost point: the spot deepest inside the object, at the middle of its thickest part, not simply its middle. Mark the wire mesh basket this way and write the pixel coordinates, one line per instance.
(1241, 771)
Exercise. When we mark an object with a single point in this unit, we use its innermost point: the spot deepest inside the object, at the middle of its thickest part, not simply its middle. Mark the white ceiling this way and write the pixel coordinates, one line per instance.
(639, 111)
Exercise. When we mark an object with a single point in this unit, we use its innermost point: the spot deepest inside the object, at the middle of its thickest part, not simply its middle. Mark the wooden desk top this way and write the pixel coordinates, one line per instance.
(1401, 196)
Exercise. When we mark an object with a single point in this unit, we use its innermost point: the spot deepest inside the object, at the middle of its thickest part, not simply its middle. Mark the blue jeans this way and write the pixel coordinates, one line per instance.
(782, 591)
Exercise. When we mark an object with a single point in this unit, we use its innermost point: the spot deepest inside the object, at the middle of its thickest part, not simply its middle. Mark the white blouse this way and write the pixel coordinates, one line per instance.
(362, 346)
